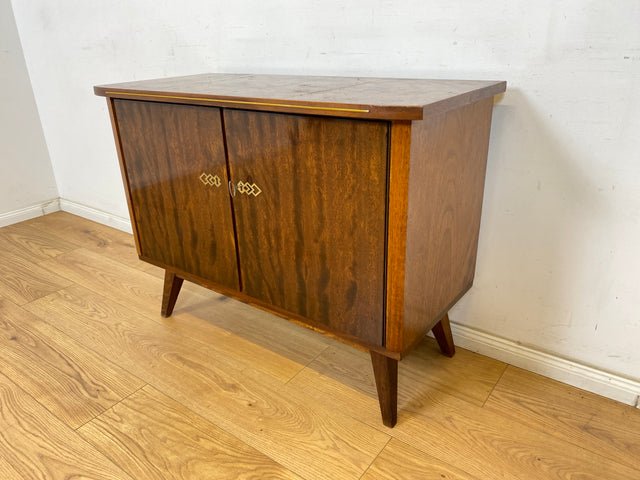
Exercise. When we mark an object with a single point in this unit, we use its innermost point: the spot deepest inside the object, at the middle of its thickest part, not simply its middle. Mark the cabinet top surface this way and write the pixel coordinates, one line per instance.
(362, 97)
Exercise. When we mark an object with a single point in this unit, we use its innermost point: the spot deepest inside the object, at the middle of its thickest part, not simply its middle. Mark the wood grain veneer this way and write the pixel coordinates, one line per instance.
(379, 98)
(181, 221)
(399, 162)
(349, 205)
(443, 214)
(312, 243)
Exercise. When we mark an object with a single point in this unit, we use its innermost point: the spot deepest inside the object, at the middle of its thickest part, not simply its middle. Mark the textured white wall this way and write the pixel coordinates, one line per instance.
(559, 251)
(26, 176)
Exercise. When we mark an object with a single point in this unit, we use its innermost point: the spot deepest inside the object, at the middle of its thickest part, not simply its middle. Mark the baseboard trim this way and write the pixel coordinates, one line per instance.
(566, 371)
(32, 211)
(96, 215)
(57, 204)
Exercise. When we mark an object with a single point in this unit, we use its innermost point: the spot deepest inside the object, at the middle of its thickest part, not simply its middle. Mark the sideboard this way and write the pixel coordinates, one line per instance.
(349, 205)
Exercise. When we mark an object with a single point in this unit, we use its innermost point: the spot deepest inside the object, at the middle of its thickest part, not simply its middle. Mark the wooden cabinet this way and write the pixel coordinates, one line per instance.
(348, 205)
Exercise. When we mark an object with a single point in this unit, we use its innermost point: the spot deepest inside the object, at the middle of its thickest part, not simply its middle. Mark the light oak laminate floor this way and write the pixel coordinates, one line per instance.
(95, 384)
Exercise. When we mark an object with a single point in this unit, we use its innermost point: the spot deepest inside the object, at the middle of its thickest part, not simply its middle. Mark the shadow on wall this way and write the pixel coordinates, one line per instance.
(538, 219)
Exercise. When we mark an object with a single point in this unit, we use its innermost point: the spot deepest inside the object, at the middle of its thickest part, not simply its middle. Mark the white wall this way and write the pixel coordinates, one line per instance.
(559, 260)
(26, 176)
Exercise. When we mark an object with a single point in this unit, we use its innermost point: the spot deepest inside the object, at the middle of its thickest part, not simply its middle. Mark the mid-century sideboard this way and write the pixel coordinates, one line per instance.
(349, 205)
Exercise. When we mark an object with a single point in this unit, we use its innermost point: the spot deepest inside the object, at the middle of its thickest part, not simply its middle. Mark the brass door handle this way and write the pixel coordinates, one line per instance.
(249, 188)
(245, 188)
(210, 180)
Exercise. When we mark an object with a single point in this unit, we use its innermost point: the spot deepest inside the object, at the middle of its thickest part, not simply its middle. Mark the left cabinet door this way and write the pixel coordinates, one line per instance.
(174, 164)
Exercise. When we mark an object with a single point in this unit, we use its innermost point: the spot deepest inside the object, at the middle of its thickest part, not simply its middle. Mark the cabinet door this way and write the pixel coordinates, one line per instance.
(310, 215)
(175, 167)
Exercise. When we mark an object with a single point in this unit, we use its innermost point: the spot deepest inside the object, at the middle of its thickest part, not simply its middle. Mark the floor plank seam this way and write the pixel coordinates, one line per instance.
(112, 406)
(307, 364)
(375, 458)
(117, 301)
(495, 385)
(569, 441)
(208, 421)
(17, 385)
(62, 332)
(61, 239)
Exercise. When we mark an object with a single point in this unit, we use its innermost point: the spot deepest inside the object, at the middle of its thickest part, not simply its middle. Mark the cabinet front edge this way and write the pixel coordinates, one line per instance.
(372, 112)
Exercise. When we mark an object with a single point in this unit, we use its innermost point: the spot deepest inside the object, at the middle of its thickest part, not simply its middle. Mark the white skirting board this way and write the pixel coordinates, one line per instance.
(582, 376)
(56, 204)
(96, 215)
(32, 211)
(588, 378)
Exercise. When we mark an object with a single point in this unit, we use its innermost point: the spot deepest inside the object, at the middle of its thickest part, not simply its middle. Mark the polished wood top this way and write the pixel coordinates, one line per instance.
(362, 97)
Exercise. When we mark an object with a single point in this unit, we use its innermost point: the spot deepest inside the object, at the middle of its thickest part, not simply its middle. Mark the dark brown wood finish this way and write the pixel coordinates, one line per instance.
(312, 241)
(364, 227)
(172, 285)
(442, 332)
(123, 170)
(176, 169)
(449, 156)
(399, 162)
(363, 97)
(385, 371)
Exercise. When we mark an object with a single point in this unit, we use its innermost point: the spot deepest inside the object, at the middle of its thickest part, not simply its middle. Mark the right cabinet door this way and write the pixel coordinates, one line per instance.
(310, 210)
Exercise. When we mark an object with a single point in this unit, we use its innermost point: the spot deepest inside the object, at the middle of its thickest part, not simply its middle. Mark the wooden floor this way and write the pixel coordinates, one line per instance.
(95, 384)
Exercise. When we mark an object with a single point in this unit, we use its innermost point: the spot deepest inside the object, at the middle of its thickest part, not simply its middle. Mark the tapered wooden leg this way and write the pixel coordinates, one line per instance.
(172, 285)
(442, 332)
(385, 371)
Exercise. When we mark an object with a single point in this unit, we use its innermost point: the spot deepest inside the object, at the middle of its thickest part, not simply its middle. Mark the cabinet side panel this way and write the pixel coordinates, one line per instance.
(173, 157)
(446, 185)
(310, 213)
